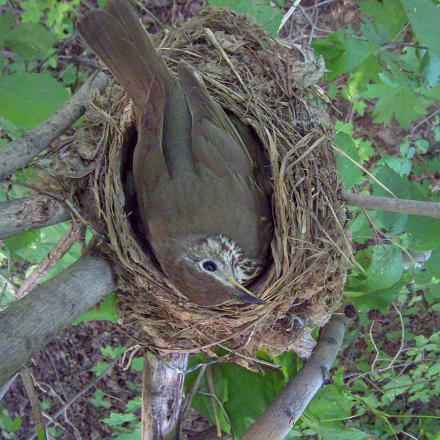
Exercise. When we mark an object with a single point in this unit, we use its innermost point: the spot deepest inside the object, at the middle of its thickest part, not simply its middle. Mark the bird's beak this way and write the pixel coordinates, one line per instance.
(244, 294)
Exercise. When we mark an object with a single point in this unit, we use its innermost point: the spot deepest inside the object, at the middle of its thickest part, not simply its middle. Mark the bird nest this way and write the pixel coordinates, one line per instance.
(272, 86)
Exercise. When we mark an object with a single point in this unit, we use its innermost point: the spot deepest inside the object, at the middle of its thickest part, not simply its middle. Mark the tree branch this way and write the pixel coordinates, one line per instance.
(20, 152)
(162, 395)
(427, 209)
(28, 324)
(276, 422)
(30, 213)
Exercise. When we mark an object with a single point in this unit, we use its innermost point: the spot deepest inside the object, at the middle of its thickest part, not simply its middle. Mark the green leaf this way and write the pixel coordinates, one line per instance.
(106, 310)
(422, 146)
(205, 404)
(430, 68)
(262, 11)
(138, 363)
(396, 99)
(112, 352)
(424, 17)
(349, 173)
(250, 394)
(99, 400)
(401, 165)
(118, 419)
(331, 402)
(6, 26)
(361, 229)
(100, 368)
(386, 267)
(387, 19)
(401, 187)
(433, 264)
(27, 99)
(33, 10)
(8, 424)
(423, 233)
(30, 40)
(368, 71)
(342, 53)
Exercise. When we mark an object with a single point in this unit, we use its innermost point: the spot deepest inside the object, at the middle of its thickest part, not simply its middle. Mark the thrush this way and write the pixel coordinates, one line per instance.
(200, 176)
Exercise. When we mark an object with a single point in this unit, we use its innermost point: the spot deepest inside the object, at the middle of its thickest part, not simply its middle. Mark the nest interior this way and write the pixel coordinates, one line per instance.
(272, 86)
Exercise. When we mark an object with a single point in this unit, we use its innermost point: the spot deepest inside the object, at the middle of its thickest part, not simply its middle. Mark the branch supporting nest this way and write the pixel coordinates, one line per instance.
(276, 422)
(415, 207)
(20, 152)
(162, 395)
(30, 213)
(27, 325)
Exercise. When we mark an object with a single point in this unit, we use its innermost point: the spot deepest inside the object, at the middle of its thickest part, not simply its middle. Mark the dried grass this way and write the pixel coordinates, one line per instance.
(272, 86)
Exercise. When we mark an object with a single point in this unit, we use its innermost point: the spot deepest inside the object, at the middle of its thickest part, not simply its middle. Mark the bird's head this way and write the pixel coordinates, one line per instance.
(214, 270)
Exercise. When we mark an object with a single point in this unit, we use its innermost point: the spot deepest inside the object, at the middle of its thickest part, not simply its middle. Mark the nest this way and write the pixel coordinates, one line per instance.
(272, 86)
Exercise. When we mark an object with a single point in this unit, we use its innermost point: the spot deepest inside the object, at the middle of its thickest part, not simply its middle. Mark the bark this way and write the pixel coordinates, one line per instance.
(427, 209)
(162, 395)
(30, 213)
(28, 324)
(20, 152)
(276, 422)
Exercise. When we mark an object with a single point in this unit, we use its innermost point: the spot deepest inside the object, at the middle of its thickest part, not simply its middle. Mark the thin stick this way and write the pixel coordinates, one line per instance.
(60, 249)
(276, 422)
(343, 153)
(79, 395)
(28, 382)
(191, 393)
(415, 207)
(17, 154)
(214, 402)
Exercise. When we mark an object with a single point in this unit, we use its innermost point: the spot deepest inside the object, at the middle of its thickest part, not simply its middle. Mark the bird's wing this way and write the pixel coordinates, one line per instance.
(215, 141)
(223, 195)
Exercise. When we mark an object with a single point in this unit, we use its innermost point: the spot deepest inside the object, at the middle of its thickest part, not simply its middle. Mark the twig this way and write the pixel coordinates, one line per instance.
(20, 152)
(424, 120)
(343, 153)
(415, 207)
(211, 386)
(376, 357)
(59, 250)
(5, 387)
(288, 14)
(218, 46)
(276, 422)
(28, 382)
(30, 213)
(78, 396)
(191, 393)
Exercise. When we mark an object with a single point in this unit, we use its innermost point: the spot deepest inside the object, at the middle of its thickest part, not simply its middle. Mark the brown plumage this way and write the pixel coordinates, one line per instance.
(202, 186)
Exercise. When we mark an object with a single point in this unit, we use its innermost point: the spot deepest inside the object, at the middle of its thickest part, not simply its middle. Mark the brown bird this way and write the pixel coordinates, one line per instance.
(201, 177)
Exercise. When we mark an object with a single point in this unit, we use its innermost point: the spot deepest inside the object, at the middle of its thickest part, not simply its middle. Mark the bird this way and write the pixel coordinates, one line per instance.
(200, 175)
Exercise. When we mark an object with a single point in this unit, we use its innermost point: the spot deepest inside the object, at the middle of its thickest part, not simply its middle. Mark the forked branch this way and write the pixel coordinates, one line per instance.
(20, 152)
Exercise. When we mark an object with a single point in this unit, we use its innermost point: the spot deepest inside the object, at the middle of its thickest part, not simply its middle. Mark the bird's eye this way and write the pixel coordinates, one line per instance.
(209, 266)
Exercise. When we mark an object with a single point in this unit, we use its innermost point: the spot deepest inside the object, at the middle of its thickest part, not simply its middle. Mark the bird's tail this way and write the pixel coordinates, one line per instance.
(116, 35)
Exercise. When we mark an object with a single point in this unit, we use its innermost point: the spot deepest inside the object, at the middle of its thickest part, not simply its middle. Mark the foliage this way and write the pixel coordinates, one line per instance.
(262, 11)
(387, 70)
